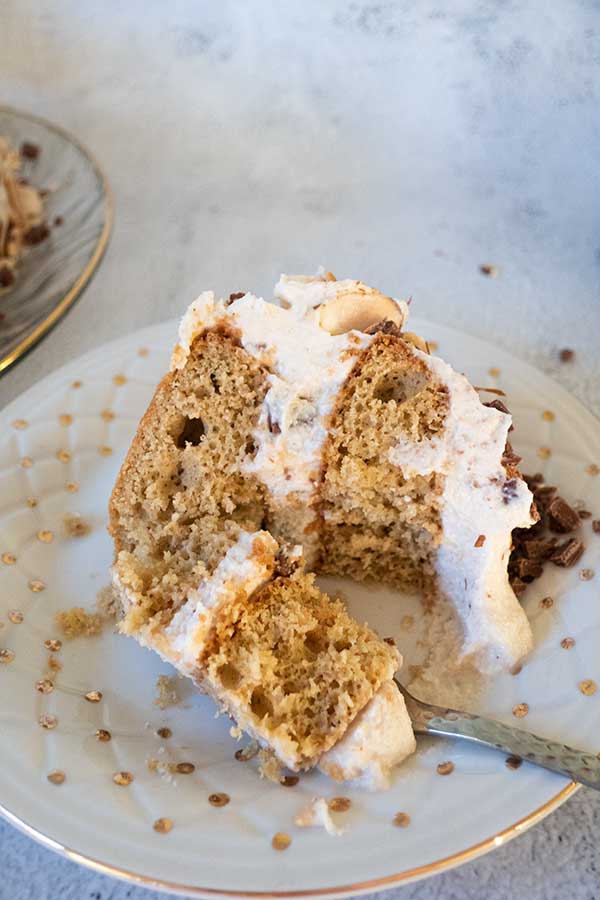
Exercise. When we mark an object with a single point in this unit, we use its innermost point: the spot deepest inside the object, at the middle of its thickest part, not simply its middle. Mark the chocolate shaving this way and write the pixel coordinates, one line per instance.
(510, 458)
(499, 405)
(7, 277)
(488, 390)
(384, 327)
(36, 234)
(236, 296)
(29, 150)
(285, 565)
(567, 554)
(562, 517)
(274, 427)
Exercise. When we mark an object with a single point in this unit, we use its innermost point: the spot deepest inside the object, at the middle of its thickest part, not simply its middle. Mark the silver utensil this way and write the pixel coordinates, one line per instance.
(578, 765)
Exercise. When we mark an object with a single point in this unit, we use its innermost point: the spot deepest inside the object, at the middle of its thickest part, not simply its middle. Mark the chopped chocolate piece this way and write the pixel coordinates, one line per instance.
(518, 586)
(540, 549)
(562, 517)
(544, 495)
(525, 569)
(567, 554)
(596, 526)
(236, 296)
(499, 405)
(567, 355)
(7, 277)
(509, 490)
(36, 234)
(385, 327)
(29, 150)
(531, 480)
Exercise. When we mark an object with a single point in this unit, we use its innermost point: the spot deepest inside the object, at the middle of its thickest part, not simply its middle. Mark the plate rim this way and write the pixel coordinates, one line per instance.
(385, 882)
(76, 289)
(405, 876)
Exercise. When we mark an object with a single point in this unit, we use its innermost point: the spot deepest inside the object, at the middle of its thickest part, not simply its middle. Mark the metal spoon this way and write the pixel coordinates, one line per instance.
(578, 765)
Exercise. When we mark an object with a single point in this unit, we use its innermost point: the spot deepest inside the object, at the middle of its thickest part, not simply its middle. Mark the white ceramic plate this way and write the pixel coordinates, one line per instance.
(227, 850)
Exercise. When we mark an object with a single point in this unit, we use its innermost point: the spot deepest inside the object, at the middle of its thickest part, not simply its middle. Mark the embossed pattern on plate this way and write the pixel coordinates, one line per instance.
(60, 448)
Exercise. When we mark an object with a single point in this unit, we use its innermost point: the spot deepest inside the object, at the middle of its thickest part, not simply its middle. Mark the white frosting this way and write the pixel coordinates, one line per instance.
(380, 737)
(468, 453)
(317, 814)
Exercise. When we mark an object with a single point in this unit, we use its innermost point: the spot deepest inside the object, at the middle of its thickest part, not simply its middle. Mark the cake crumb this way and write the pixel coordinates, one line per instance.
(317, 814)
(166, 692)
(76, 622)
(76, 526)
(566, 355)
(269, 766)
(489, 269)
(248, 752)
(107, 602)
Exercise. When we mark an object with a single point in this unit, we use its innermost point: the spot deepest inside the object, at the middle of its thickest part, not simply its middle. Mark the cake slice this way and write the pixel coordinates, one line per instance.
(313, 434)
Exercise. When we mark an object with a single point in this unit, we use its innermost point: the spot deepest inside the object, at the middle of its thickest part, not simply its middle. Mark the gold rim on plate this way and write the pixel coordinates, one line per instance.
(76, 289)
(374, 884)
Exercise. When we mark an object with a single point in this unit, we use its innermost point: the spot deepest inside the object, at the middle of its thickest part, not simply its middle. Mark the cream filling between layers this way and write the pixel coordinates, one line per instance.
(475, 502)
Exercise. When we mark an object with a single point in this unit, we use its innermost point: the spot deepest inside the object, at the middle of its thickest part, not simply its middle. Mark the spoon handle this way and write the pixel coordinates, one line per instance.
(578, 765)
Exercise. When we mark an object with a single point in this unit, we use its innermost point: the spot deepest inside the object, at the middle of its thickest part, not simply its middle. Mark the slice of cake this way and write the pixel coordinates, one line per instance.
(312, 434)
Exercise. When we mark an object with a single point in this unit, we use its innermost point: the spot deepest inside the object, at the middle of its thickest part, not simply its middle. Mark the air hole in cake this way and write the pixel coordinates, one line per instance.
(260, 704)
(192, 433)
(230, 676)
(215, 383)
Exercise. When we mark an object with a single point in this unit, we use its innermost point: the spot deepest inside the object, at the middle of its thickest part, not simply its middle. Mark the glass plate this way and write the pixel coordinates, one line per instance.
(53, 274)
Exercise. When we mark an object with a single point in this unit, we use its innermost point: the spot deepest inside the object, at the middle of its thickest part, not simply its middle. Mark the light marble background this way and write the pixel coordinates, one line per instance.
(402, 143)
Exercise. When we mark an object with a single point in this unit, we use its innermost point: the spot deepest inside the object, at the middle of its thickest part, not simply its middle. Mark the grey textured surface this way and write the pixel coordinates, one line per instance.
(403, 143)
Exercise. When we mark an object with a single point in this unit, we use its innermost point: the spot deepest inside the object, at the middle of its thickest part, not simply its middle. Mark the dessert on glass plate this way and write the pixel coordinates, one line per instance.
(315, 435)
